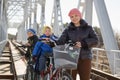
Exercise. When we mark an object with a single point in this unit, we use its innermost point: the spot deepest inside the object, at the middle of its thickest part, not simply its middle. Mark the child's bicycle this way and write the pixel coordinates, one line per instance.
(55, 74)
(65, 57)
(30, 74)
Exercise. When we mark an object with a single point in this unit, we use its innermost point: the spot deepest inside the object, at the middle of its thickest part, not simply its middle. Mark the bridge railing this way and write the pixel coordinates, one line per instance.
(2, 45)
(100, 60)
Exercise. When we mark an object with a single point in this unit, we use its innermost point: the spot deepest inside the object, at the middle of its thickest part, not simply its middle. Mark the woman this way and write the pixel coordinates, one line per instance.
(79, 32)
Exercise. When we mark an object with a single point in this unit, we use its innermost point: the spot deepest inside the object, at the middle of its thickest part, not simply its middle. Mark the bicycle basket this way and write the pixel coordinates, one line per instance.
(65, 58)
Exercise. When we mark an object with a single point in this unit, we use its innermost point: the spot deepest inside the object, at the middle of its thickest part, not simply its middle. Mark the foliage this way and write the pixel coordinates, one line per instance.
(98, 32)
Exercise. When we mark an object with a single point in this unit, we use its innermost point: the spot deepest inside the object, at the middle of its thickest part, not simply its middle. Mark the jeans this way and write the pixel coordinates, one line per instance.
(44, 62)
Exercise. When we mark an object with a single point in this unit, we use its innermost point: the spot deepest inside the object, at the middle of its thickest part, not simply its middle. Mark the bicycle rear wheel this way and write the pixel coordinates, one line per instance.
(29, 73)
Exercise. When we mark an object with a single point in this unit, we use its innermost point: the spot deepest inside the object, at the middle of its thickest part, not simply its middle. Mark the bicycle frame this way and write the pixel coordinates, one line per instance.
(50, 73)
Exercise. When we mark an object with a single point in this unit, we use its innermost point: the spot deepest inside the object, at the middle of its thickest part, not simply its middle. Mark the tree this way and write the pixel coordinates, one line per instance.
(118, 39)
(98, 32)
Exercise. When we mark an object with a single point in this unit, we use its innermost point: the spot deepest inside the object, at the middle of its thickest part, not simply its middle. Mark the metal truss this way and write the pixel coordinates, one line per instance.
(56, 21)
(16, 8)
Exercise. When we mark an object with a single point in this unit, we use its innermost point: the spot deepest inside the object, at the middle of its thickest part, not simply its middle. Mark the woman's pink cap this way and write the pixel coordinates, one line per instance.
(75, 11)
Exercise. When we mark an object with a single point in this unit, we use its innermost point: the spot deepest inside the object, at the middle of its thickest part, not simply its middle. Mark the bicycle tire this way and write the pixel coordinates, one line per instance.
(36, 76)
(66, 76)
(29, 73)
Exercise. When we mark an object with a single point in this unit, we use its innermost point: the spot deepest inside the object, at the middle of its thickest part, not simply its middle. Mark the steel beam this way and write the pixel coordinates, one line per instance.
(35, 19)
(106, 30)
(56, 21)
(88, 11)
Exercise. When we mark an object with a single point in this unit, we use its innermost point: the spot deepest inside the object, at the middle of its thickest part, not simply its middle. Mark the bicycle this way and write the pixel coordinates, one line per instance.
(65, 57)
(30, 74)
(56, 74)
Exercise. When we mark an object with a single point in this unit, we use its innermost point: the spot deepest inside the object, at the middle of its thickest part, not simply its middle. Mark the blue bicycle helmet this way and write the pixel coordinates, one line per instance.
(32, 31)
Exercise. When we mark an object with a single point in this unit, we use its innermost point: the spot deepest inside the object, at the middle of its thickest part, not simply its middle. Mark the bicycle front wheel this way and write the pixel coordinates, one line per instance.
(66, 76)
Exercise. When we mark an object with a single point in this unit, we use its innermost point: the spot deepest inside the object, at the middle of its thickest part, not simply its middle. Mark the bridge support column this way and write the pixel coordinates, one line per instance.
(107, 32)
(3, 20)
(56, 21)
(35, 20)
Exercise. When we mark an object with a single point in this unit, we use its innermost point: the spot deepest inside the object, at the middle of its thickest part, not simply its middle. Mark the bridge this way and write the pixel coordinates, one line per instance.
(24, 14)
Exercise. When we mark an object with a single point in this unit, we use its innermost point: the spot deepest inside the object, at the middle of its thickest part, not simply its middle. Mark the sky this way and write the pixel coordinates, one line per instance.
(114, 13)
(111, 5)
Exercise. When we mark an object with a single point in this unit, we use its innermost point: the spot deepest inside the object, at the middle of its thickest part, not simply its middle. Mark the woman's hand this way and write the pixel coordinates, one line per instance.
(78, 44)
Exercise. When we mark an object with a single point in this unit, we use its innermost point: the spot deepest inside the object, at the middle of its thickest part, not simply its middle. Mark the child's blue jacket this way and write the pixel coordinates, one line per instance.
(42, 48)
